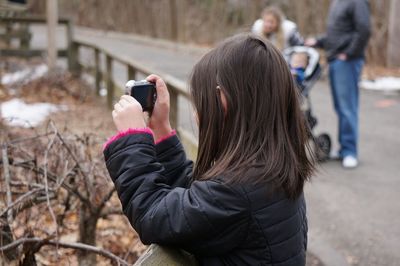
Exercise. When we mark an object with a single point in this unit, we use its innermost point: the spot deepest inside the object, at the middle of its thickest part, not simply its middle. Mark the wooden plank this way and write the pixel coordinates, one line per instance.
(26, 38)
(173, 113)
(159, 255)
(109, 81)
(31, 19)
(97, 71)
(13, 7)
(28, 53)
(131, 72)
(72, 51)
(8, 27)
(20, 33)
(52, 19)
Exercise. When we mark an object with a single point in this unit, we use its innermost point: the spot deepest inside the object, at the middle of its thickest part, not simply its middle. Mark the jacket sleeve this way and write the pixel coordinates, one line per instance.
(321, 41)
(257, 27)
(361, 14)
(295, 38)
(207, 218)
(172, 156)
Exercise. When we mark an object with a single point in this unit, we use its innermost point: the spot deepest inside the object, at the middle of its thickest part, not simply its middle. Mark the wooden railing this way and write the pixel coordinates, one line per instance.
(24, 37)
(177, 88)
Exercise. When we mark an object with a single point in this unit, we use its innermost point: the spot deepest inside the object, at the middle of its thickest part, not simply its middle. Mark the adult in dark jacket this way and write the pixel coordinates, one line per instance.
(345, 41)
(243, 203)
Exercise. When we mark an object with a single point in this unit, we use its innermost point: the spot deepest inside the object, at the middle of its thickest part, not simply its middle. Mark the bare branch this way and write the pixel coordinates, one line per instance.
(39, 170)
(46, 183)
(73, 156)
(20, 199)
(77, 246)
(106, 198)
(35, 201)
(15, 141)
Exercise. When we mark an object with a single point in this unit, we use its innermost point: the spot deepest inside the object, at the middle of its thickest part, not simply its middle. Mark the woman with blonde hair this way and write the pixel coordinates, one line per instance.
(277, 29)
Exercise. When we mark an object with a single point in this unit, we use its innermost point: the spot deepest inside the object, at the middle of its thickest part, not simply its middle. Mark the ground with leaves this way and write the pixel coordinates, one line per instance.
(52, 212)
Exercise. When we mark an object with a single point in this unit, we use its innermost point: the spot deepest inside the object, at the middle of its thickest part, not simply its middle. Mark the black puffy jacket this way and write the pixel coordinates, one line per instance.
(220, 223)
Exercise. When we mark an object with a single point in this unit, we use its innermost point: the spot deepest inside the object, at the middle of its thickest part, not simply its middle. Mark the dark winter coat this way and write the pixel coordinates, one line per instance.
(348, 29)
(220, 223)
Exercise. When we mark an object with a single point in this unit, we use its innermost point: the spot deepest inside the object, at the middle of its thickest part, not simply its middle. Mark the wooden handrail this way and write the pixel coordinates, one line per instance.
(177, 84)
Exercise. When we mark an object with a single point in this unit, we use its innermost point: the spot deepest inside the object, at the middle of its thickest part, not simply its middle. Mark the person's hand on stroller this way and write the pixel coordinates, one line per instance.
(310, 42)
(342, 56)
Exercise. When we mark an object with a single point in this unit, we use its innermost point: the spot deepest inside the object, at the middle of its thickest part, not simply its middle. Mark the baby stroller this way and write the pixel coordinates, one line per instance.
(310, 74)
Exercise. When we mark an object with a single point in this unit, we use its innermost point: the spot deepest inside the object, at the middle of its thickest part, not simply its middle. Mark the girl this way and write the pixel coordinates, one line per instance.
(281, 32)
(243, 203)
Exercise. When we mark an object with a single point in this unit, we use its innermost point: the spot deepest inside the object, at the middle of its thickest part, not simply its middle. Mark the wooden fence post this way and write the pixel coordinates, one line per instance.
(173, 116)
(97, 70)
(25, 37)
(131, 72)
(73, 61)
(52, 22)
(72, 52)
(109, 81)
(9, 27)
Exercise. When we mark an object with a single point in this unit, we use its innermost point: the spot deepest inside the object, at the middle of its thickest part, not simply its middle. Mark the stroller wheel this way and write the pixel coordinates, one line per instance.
(323, 147)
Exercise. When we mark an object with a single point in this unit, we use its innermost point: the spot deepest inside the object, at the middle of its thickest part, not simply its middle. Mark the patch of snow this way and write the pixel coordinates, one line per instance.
(103, 92)
(24, 75)
(88, 78)
(382, 84)
(17, 113)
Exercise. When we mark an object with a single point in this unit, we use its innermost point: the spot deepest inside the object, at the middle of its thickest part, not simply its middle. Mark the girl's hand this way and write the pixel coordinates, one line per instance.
(128, 113)
(159, 120)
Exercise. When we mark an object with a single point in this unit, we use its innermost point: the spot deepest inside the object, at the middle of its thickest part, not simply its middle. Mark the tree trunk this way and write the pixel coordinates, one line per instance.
(87, 235)
(174, 20)
(393, 58)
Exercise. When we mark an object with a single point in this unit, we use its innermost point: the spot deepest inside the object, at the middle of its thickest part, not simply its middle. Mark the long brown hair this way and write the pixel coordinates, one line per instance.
(262, 135)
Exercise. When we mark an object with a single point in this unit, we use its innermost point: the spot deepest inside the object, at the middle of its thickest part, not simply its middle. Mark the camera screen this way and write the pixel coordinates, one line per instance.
(144, 95)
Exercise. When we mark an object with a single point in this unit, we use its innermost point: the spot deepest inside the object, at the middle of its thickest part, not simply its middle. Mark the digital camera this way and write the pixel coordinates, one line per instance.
(144, 92)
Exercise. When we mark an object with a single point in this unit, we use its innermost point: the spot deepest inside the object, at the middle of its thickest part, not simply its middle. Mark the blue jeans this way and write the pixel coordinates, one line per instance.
(344, 77)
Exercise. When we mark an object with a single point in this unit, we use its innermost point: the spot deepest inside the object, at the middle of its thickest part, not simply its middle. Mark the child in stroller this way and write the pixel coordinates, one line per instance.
(298, 64)
(306, 70)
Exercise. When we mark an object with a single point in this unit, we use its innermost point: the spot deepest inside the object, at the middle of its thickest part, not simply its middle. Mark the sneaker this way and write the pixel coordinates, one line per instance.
(349, 162)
